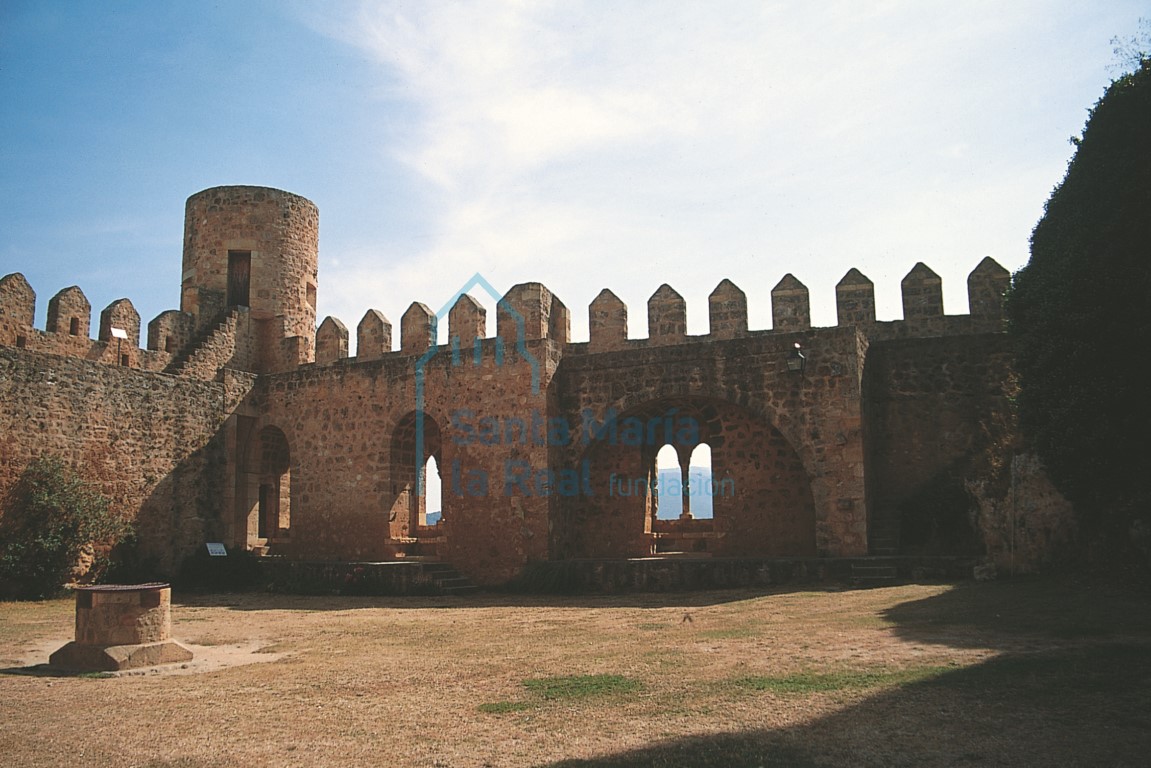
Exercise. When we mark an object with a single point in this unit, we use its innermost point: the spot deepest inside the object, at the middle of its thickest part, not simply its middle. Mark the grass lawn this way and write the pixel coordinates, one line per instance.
(1024, 672)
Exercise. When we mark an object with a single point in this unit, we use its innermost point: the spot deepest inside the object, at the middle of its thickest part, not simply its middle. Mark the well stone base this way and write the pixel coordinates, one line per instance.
(77, 657)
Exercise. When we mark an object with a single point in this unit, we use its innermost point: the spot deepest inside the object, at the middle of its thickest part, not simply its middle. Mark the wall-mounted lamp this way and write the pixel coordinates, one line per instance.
(796, 362)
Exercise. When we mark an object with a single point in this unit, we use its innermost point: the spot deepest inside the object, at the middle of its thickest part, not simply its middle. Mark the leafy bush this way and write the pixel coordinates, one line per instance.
(51, 519)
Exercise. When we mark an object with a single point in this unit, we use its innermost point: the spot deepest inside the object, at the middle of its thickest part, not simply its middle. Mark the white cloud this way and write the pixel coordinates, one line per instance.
(624, 145)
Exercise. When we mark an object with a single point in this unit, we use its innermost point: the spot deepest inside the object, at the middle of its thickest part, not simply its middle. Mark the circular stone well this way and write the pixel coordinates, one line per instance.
(121, 626)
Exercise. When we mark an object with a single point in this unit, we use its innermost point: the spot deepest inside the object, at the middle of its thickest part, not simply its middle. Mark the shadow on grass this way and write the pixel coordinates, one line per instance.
(1086, 707)
(1061, 610)
(260, 601)
(1082, 699)
(44, 670)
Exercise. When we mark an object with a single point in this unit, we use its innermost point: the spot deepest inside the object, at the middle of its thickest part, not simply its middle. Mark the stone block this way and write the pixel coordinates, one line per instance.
(727, 311)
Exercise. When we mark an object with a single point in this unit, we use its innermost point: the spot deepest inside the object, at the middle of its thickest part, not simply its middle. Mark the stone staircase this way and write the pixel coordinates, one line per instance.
(874, 574)
(883, 533)
(449, 580)
(223, 323)
(410, 576)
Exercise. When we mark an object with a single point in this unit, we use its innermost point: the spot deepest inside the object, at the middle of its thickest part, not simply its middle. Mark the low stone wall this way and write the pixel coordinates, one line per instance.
(654, 574)
(149, 442)
(306, 577)
(657, 574)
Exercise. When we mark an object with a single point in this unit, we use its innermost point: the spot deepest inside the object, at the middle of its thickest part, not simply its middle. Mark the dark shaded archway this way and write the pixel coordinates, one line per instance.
(759, 490)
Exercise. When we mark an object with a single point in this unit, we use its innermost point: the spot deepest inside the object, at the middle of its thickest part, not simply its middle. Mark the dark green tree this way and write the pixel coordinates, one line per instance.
(1080, 314)
(49, 518)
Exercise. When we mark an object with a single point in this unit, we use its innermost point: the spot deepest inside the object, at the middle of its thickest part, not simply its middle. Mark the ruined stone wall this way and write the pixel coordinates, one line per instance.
(1025, 523)
(148, 441)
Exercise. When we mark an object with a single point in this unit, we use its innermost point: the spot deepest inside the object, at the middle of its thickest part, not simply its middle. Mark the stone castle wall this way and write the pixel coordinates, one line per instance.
(806, 424)
(149, 442)
(351, 470)
(244, 422)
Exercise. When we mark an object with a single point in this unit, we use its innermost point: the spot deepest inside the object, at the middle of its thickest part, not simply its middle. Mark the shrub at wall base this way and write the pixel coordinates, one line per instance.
(50, 521)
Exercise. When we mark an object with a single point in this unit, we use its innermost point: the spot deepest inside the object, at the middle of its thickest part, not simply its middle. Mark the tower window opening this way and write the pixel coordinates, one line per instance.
(239, 278)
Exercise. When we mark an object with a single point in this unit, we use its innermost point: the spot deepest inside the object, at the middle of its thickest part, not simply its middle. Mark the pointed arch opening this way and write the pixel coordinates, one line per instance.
(416, 519)
(701, 486)
(668, 485)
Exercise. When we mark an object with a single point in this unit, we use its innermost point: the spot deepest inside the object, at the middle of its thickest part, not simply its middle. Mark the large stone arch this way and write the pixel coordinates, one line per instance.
(762, 504)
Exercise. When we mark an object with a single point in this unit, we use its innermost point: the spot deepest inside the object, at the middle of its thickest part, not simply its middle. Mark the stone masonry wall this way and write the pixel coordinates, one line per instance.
(760, 491)
(816, 413)
(229, 345)
(1027, 524)
(934, 406)
(243, 424)
(68, 326)
(340, 421)
(147, 441)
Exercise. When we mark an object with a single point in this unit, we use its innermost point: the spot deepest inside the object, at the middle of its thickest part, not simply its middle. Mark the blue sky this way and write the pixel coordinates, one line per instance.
(581, 144)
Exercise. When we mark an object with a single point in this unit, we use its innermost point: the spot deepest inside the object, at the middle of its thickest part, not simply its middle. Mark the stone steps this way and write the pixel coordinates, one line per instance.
(883, 534)
(186, 355)
(449, 580)
(415, 576)
(873, 575)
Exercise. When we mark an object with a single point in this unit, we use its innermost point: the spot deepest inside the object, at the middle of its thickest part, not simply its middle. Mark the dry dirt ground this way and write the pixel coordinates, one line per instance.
(1026, 672)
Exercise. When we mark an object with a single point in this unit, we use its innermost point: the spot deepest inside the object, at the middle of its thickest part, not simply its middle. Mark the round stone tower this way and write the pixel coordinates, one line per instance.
(256, 249)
